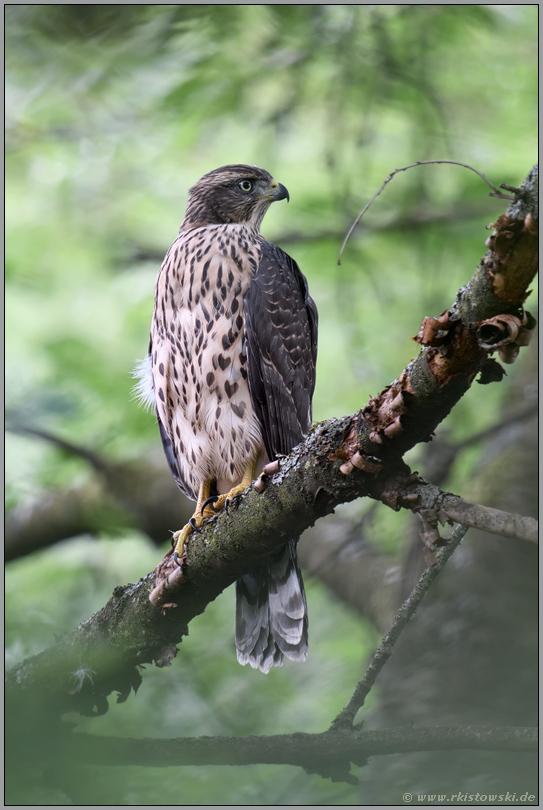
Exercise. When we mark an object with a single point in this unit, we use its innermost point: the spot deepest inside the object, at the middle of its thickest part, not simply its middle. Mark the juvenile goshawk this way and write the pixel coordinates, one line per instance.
(231, 373)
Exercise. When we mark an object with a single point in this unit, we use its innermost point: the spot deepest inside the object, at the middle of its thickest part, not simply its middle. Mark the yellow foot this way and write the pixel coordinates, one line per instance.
(222, 501)
(207, 507)
(180, 538)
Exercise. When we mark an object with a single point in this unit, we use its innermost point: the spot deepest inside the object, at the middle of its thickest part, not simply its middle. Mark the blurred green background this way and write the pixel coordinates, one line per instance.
(113, 112)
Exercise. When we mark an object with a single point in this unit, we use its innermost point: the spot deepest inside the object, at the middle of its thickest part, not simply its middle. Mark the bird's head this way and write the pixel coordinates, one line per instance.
(237, 193)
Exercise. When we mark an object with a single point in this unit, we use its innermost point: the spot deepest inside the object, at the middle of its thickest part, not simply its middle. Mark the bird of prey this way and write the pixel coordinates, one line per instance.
(231, 374)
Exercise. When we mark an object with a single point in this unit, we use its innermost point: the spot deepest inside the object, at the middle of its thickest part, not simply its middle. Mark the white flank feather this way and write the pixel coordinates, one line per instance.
(144, 391)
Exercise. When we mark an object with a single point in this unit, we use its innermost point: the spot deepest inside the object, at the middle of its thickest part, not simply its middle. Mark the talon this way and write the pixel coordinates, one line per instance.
(181, 539)
(194, 526)
(209, 502)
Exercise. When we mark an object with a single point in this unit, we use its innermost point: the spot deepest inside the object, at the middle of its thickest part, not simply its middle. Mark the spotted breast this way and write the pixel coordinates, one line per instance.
(199, 362)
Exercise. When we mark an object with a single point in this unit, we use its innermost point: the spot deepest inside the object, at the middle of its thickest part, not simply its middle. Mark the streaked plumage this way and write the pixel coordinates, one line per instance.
(232, 372)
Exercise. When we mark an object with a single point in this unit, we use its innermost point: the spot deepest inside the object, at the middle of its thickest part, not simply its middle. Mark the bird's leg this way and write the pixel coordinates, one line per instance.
(180, 538)
(222, 501)
(207, 506)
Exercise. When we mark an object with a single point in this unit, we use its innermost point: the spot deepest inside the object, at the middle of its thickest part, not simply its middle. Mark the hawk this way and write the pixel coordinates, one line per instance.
(231, 374)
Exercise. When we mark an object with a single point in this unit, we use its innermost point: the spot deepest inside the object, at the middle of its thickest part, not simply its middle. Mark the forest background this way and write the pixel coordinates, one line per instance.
(113, 112)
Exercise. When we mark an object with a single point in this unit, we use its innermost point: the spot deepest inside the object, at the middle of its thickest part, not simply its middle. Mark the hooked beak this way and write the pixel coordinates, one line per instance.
(279, 192)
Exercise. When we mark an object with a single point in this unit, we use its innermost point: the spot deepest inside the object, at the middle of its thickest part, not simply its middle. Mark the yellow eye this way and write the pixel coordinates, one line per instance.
(245, 185)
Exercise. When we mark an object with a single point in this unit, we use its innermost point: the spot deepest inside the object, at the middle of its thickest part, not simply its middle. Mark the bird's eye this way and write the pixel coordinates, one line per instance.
(245, 185)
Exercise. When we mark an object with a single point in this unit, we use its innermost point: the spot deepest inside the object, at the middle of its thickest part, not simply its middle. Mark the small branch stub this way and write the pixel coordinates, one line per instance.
(169, 575)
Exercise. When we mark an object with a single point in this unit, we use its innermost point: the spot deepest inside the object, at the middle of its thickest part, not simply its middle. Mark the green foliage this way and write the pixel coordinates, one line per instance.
(113, 111)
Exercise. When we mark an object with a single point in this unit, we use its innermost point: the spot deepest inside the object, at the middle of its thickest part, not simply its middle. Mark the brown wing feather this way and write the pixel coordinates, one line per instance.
(281, 342)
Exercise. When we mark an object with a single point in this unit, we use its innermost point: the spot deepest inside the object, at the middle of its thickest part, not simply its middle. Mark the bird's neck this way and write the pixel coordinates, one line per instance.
(198, 217)
(249, 229)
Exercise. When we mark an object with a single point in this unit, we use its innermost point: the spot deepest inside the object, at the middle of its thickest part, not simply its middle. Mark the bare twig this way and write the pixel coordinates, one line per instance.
(436, 505)
(494, 193)
(494, 521)
(346, 717)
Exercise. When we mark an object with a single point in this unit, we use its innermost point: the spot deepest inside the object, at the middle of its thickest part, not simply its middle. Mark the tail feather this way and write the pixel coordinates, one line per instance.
(271, 612)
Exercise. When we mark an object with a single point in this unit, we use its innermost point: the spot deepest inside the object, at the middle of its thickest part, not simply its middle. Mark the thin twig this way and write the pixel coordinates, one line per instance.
(493, 521)
(383, 653)
(495, 192)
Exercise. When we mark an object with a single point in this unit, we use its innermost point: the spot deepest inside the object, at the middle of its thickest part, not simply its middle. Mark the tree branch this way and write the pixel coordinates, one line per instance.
(435, 505)
(504, 524)
(316, 753)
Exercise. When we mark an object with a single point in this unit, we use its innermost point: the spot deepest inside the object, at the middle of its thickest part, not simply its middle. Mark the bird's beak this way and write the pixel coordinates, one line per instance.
(279, 192)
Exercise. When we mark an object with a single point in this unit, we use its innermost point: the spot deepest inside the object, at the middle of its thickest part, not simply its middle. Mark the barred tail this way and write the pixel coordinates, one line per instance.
(271, 612)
